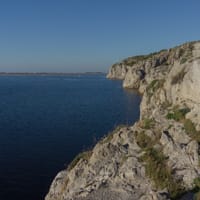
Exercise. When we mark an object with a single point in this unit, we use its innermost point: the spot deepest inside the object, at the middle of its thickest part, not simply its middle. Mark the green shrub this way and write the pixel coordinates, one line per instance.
(154, 86)
(143, 140)
(165, 104)
(183, 60)
(189, 126)
(178, 78)
(191, 46)
(130, 61)
(184, 111)
(84, 155)
(109, 137)
(156, 168)
(197, 182)
(191, 130)
(186, 53)
(148, 123)
(181, 52)
(135, 59)
(178, 114)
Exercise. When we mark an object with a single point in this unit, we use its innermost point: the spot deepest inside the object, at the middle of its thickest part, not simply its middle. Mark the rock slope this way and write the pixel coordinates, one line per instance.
(156, 158)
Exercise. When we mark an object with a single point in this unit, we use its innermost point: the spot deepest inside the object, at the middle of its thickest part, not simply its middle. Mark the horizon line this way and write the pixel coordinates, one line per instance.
(49, 73)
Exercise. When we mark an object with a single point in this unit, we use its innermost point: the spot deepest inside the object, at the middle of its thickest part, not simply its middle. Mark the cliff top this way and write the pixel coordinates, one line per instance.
(183, 50)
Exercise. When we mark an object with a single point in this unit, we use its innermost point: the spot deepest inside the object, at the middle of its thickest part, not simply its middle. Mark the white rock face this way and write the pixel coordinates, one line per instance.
(118, 71)
(114, 169)
(190, 89)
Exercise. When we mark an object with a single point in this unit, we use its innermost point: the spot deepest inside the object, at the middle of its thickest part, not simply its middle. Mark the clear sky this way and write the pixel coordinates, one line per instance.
(90, 35)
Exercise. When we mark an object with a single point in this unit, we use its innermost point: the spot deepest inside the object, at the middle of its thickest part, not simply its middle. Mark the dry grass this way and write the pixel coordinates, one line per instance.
(81, 156)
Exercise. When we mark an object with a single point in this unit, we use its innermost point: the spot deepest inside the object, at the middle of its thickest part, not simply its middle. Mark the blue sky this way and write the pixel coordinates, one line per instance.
(90, 35)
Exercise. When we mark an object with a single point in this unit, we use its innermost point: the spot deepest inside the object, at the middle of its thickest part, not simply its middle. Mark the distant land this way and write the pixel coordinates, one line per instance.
(48, 73)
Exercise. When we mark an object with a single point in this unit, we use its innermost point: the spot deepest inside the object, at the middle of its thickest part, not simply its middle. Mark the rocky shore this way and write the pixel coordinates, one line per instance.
(158, 157)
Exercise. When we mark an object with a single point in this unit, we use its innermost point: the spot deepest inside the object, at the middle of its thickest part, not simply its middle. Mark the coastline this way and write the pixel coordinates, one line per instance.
(157, 157)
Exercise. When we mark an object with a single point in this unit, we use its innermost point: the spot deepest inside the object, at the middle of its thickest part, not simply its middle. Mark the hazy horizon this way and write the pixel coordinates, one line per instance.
(89, 36)
(43, 72)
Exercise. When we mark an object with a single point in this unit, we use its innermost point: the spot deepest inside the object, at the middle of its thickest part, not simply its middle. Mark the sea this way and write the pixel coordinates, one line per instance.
(46, 120)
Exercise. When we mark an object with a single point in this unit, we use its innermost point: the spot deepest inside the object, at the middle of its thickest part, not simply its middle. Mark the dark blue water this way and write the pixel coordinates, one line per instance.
(46, 120)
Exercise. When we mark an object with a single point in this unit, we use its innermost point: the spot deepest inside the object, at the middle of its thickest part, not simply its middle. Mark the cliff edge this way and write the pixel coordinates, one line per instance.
(156, 158)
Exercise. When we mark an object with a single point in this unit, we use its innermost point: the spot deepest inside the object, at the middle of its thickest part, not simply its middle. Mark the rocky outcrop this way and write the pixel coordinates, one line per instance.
(156, 158)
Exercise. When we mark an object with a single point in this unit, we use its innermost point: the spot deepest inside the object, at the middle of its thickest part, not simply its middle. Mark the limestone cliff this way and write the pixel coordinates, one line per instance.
(156, 158)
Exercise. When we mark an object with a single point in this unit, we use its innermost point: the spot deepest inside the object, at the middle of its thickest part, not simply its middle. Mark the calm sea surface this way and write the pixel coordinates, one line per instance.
(46, 120)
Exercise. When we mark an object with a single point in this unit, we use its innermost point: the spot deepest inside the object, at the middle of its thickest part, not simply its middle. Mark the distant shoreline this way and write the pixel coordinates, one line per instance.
(48, 73)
